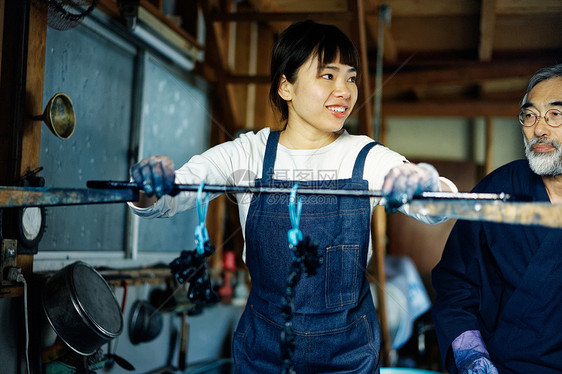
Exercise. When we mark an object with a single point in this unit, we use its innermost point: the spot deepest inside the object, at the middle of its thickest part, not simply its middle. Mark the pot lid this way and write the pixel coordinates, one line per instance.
(96, 300)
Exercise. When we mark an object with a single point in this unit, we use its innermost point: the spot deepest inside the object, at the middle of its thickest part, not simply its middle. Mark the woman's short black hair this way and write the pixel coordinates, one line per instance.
(297, 44)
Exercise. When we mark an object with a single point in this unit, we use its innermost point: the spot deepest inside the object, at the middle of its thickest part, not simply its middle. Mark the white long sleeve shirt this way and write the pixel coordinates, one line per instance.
(240, 162)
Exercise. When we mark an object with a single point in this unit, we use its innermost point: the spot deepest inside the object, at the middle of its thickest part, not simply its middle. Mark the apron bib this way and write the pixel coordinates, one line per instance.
(334, 320)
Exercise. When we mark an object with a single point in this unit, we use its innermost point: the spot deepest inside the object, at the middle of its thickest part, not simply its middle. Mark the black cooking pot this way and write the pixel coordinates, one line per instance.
(81, 308)
(145, 323)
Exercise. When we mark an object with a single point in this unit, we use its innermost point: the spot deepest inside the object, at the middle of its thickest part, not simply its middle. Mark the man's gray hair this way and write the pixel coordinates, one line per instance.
(542, 75)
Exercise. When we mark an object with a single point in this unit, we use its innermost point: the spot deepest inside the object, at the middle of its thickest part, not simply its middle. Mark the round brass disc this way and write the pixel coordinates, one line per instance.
(59, 116)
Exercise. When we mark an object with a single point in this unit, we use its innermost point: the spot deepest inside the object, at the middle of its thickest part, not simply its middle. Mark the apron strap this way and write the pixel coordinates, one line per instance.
(360, 161)
(270, 155)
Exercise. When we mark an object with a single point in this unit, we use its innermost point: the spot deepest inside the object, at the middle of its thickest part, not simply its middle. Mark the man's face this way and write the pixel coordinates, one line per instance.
(543, 143)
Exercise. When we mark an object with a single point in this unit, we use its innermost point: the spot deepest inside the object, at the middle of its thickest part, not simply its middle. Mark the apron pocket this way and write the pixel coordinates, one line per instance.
(352, 349)
(342, 281)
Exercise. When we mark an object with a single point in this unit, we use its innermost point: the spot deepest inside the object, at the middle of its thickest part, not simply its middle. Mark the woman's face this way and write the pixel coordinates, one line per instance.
(320, 99)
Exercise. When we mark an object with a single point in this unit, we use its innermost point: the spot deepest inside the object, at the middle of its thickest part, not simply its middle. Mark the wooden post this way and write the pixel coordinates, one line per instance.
(22, 97)
(359, 35)
(489, 145)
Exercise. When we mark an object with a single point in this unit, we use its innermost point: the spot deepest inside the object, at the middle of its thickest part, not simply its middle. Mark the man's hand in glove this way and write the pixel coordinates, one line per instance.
(471, 355)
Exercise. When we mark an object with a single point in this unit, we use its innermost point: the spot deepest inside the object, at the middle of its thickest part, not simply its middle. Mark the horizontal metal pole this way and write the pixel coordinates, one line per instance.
(490, 207)
(14, 197)
(212, 188)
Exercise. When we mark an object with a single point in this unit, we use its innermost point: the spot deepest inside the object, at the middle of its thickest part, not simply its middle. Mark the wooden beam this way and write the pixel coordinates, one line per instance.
(2, 7)
(215, 53)
(31, 139)
(464, 74)
(265, 6)
(158, 14)
(110, 8)
(526, 7)
(379, 238)
(247, 78)
(487, 27)
(359, 34)
(489, 141)
(12, 80)
(467, 109)
(417, 8)
(280, 17)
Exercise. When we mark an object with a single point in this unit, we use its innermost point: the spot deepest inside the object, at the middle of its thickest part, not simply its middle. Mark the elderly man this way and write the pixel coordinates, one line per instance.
(499, 286)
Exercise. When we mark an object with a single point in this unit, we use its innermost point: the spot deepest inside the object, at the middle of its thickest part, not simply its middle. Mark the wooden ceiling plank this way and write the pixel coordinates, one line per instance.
(467, 109)
(467, 74)
(260, 16)
(265, 6)
(527, 7)
(417, 8)
(247, 78)
(169, 23)
(487, 27)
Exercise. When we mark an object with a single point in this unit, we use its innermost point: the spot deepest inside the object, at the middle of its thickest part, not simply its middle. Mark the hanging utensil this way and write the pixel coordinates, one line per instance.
(59, 116)
(81, 308)
(145, 322)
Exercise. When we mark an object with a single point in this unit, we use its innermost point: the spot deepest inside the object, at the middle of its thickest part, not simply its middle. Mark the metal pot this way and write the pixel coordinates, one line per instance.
(81, 308)
(145, 323)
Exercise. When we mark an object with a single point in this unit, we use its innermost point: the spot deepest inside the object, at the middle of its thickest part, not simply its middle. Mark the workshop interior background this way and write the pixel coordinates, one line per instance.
(441, 82)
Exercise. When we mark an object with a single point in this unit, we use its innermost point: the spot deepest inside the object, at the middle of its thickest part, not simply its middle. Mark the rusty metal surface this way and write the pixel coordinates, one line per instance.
(521, 213)
(13, 197)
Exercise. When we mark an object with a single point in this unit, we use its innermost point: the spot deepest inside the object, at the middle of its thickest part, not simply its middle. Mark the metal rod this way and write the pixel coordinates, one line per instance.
(213, 188)
(491, 207)
(14, 197)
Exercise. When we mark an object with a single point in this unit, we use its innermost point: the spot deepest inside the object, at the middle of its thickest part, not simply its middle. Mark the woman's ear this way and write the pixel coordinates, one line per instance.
(284, 89)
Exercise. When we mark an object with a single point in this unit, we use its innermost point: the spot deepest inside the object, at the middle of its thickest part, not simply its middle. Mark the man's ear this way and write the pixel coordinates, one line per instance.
(284, 89)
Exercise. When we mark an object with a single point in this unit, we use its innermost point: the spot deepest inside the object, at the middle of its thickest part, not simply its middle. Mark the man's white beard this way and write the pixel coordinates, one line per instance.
(544, 164)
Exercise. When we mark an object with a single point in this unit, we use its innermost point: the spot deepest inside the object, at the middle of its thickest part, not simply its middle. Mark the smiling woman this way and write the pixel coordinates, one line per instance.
(314, 73)
(318, 102)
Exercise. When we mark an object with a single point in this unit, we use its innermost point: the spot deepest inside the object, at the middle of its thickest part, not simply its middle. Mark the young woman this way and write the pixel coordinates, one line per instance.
(314, 71)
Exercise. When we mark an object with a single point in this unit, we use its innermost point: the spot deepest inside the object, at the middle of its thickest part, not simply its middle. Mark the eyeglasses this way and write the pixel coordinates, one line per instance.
(552, 117)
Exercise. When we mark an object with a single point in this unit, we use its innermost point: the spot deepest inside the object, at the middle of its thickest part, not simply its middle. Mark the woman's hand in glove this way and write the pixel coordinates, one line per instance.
(406, 181)
(154, 175)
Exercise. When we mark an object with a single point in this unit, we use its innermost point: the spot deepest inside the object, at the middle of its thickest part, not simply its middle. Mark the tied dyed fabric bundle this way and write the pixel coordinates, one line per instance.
(191, 266)
(306, 260)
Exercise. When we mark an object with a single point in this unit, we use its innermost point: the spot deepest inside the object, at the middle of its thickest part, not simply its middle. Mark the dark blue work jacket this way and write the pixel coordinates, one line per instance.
(504, 280)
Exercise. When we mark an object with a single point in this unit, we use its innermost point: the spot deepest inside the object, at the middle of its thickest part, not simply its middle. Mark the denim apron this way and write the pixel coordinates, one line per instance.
(335, 323)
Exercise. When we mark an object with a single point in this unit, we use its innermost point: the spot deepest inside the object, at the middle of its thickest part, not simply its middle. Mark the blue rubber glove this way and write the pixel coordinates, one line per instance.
(406, 181)
(471, 355)
(154, 175)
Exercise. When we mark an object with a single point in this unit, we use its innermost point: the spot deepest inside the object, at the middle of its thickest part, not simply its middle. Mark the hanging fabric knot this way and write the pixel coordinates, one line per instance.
(295, 206)
(201, 233)
(306, 260)
(191, 266)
